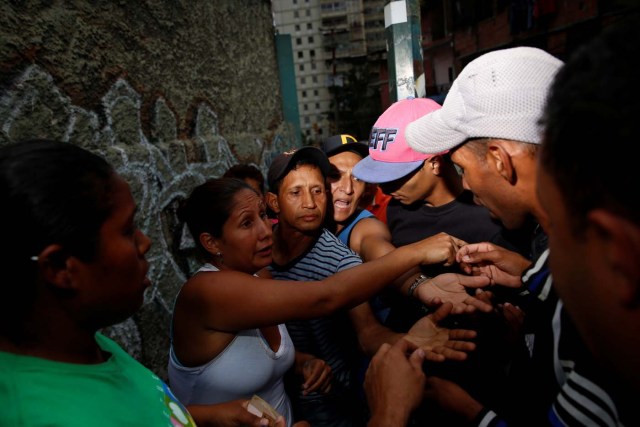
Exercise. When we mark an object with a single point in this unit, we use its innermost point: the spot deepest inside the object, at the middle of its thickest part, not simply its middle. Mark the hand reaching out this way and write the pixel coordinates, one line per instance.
(394, 383)
(440, 248)
(500, 265)
(440, 343)
(450, 287)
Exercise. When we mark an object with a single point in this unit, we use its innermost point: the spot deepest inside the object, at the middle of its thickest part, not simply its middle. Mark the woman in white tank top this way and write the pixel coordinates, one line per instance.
(228, 337)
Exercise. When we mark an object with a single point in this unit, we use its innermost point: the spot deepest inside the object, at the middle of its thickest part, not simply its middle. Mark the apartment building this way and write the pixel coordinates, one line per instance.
(454, 32)
(329, 38)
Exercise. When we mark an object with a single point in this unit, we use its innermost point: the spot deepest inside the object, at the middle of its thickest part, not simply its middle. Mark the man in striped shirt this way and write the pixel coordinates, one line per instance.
(304, 250)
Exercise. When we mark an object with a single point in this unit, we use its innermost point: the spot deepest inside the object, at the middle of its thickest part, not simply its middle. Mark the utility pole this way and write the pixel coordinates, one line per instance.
(404, 42)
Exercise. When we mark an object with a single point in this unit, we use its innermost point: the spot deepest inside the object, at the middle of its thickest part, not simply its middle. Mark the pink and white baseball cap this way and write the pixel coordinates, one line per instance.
(390, 157)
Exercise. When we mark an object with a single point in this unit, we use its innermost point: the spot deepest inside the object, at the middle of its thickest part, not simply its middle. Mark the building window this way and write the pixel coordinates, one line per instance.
(312, 53)
(315, 92)
(309, 26)
(296, 14)
(305, 107)
(317, 105)
(301, 67)
(313, 65)
(300, 54)
(304, 93)
(297, 27)
(310, 39)
(315, 79)
(308, 12)
(306, 120)
(298, 41)
(303, 80)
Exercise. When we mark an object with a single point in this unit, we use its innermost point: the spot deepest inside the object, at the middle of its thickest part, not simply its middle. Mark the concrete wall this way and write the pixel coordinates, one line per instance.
(170, 92)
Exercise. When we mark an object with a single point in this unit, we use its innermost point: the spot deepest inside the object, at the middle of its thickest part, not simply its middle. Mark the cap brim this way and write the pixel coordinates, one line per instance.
(430, 134)
(376, 172)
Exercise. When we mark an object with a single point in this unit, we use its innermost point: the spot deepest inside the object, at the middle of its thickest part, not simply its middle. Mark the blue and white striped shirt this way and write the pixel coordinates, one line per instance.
(330, 338)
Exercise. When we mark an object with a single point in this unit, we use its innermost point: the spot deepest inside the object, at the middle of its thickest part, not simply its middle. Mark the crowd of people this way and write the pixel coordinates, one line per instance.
(499, 284)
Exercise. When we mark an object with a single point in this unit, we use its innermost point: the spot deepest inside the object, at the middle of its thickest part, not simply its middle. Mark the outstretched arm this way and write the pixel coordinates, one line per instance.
(261, 302)
(371, 333)
(371, 239)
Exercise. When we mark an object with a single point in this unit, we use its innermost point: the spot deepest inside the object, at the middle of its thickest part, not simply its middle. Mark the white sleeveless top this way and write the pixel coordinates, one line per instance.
(247, 366)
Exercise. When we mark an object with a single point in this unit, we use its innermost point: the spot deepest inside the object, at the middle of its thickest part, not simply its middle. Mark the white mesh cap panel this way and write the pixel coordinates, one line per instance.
(500, 94)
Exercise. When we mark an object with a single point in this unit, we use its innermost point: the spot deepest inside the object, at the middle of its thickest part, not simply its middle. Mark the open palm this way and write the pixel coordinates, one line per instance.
(451, 287)
(440, 343)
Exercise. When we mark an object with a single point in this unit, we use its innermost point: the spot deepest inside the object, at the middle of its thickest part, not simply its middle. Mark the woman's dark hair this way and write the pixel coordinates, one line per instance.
(51, 193)
(243, 171)
(209, 206)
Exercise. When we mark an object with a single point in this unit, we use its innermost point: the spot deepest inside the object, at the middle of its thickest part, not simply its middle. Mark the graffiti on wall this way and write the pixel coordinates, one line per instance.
(161, 169)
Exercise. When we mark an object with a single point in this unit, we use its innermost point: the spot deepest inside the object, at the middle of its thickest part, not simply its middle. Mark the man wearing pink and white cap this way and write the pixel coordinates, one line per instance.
(427, 192)
(428, 198)
(390, 158)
